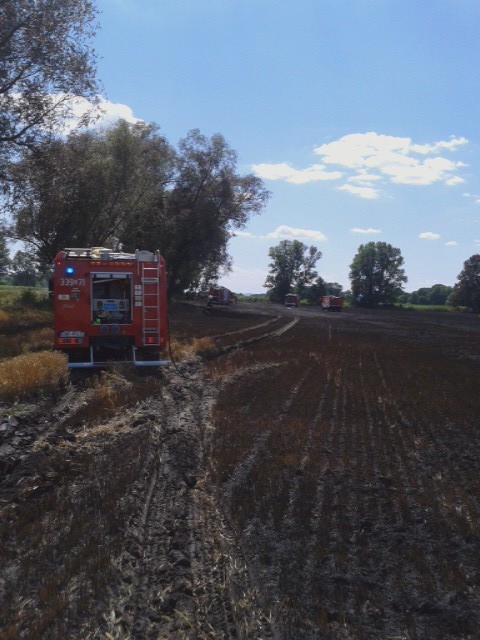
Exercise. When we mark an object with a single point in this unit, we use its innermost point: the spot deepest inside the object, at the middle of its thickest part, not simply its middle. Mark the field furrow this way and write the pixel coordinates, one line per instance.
(353, 504)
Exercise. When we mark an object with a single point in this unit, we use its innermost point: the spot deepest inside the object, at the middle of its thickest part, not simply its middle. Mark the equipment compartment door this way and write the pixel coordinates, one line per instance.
(111, 298)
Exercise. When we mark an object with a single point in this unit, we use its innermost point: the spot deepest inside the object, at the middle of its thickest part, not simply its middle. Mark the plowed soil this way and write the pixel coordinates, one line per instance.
(307, 475)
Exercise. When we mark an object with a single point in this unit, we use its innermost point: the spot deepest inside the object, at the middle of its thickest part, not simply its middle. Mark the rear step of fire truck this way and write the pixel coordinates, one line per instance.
(100, 362)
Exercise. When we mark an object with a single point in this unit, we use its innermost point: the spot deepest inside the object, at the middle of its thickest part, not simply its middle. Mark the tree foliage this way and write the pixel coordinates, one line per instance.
(376, 274)
(4, 255)
(45, 59)
(207, 201)
(333, 289)
(292, 268)
(128, 187)
(24, 269)
(436, 295)
(466, 291)
(83, 191)
(315, 291)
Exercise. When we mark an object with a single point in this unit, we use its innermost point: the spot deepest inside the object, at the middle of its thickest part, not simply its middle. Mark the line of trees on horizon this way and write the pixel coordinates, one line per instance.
(376, 274)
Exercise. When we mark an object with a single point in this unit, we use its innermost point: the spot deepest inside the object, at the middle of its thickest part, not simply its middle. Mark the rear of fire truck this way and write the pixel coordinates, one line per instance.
(110, 307)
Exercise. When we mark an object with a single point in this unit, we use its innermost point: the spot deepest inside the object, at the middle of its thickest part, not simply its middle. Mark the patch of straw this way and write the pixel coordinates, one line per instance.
(186, 350)
(31, 373)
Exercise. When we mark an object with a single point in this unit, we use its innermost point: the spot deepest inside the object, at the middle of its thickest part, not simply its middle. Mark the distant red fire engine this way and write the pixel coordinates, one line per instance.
(110, 306)
(292, 300)
(221, 295)
(332, 303)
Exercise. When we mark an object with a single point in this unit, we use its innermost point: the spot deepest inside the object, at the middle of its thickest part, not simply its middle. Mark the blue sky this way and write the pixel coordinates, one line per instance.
(361, 116)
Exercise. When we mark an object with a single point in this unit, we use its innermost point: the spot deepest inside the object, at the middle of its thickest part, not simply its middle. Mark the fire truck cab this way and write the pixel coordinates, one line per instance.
(110, 306)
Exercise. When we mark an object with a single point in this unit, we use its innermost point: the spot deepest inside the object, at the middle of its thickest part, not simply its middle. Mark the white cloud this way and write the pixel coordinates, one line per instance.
(364, 178)
(394, 158)
(368, 193)
(283, 171)
(472, 196)
(242, 234)
(290, 233)
(370, 157)
(370, 230)
(424, 173)
(452, 243)
(451, 145)
(428, 235)
(104, 114)
(451, 182)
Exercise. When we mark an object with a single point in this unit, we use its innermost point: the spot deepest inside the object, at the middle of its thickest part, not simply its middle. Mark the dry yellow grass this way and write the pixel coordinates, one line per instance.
(38, 340)
(30, 373)
(111, 390)
(13, 319)
(185, 350)
(30, 340)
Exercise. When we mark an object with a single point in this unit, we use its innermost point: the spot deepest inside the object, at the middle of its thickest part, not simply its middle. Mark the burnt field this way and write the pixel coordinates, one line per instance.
(346, 453)
(310, 475)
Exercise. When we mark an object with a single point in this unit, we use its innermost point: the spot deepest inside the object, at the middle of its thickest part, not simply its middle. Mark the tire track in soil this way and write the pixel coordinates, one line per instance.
(223, 350)
(186, 580)
(181, 574)
(243, 468)
(246, 329)
(259, 525)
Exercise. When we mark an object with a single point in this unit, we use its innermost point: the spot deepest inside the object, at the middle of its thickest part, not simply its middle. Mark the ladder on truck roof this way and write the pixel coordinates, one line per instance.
(150, 304)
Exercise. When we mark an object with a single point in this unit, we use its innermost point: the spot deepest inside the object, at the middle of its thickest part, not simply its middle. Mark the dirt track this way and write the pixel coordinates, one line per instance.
(318, 483)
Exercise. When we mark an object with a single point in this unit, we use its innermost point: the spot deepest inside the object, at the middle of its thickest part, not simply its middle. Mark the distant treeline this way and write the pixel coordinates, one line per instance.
(438, 294)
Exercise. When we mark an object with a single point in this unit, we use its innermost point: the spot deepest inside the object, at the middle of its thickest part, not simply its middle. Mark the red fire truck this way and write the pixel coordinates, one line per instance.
(332, 303)
(292, 300)
(222, 295)
(110, 306)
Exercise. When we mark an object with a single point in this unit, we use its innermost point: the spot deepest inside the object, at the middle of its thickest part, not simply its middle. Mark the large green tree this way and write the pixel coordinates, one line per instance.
(376, 274)
(466, 291)
(86, 190)
(128, 187)
(292, 268)
(206, 202)
(45, 58)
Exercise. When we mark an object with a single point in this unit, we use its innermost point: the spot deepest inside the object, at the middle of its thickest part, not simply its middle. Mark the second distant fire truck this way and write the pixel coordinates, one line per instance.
(110, 306)
(221, 295)
(292, 300)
